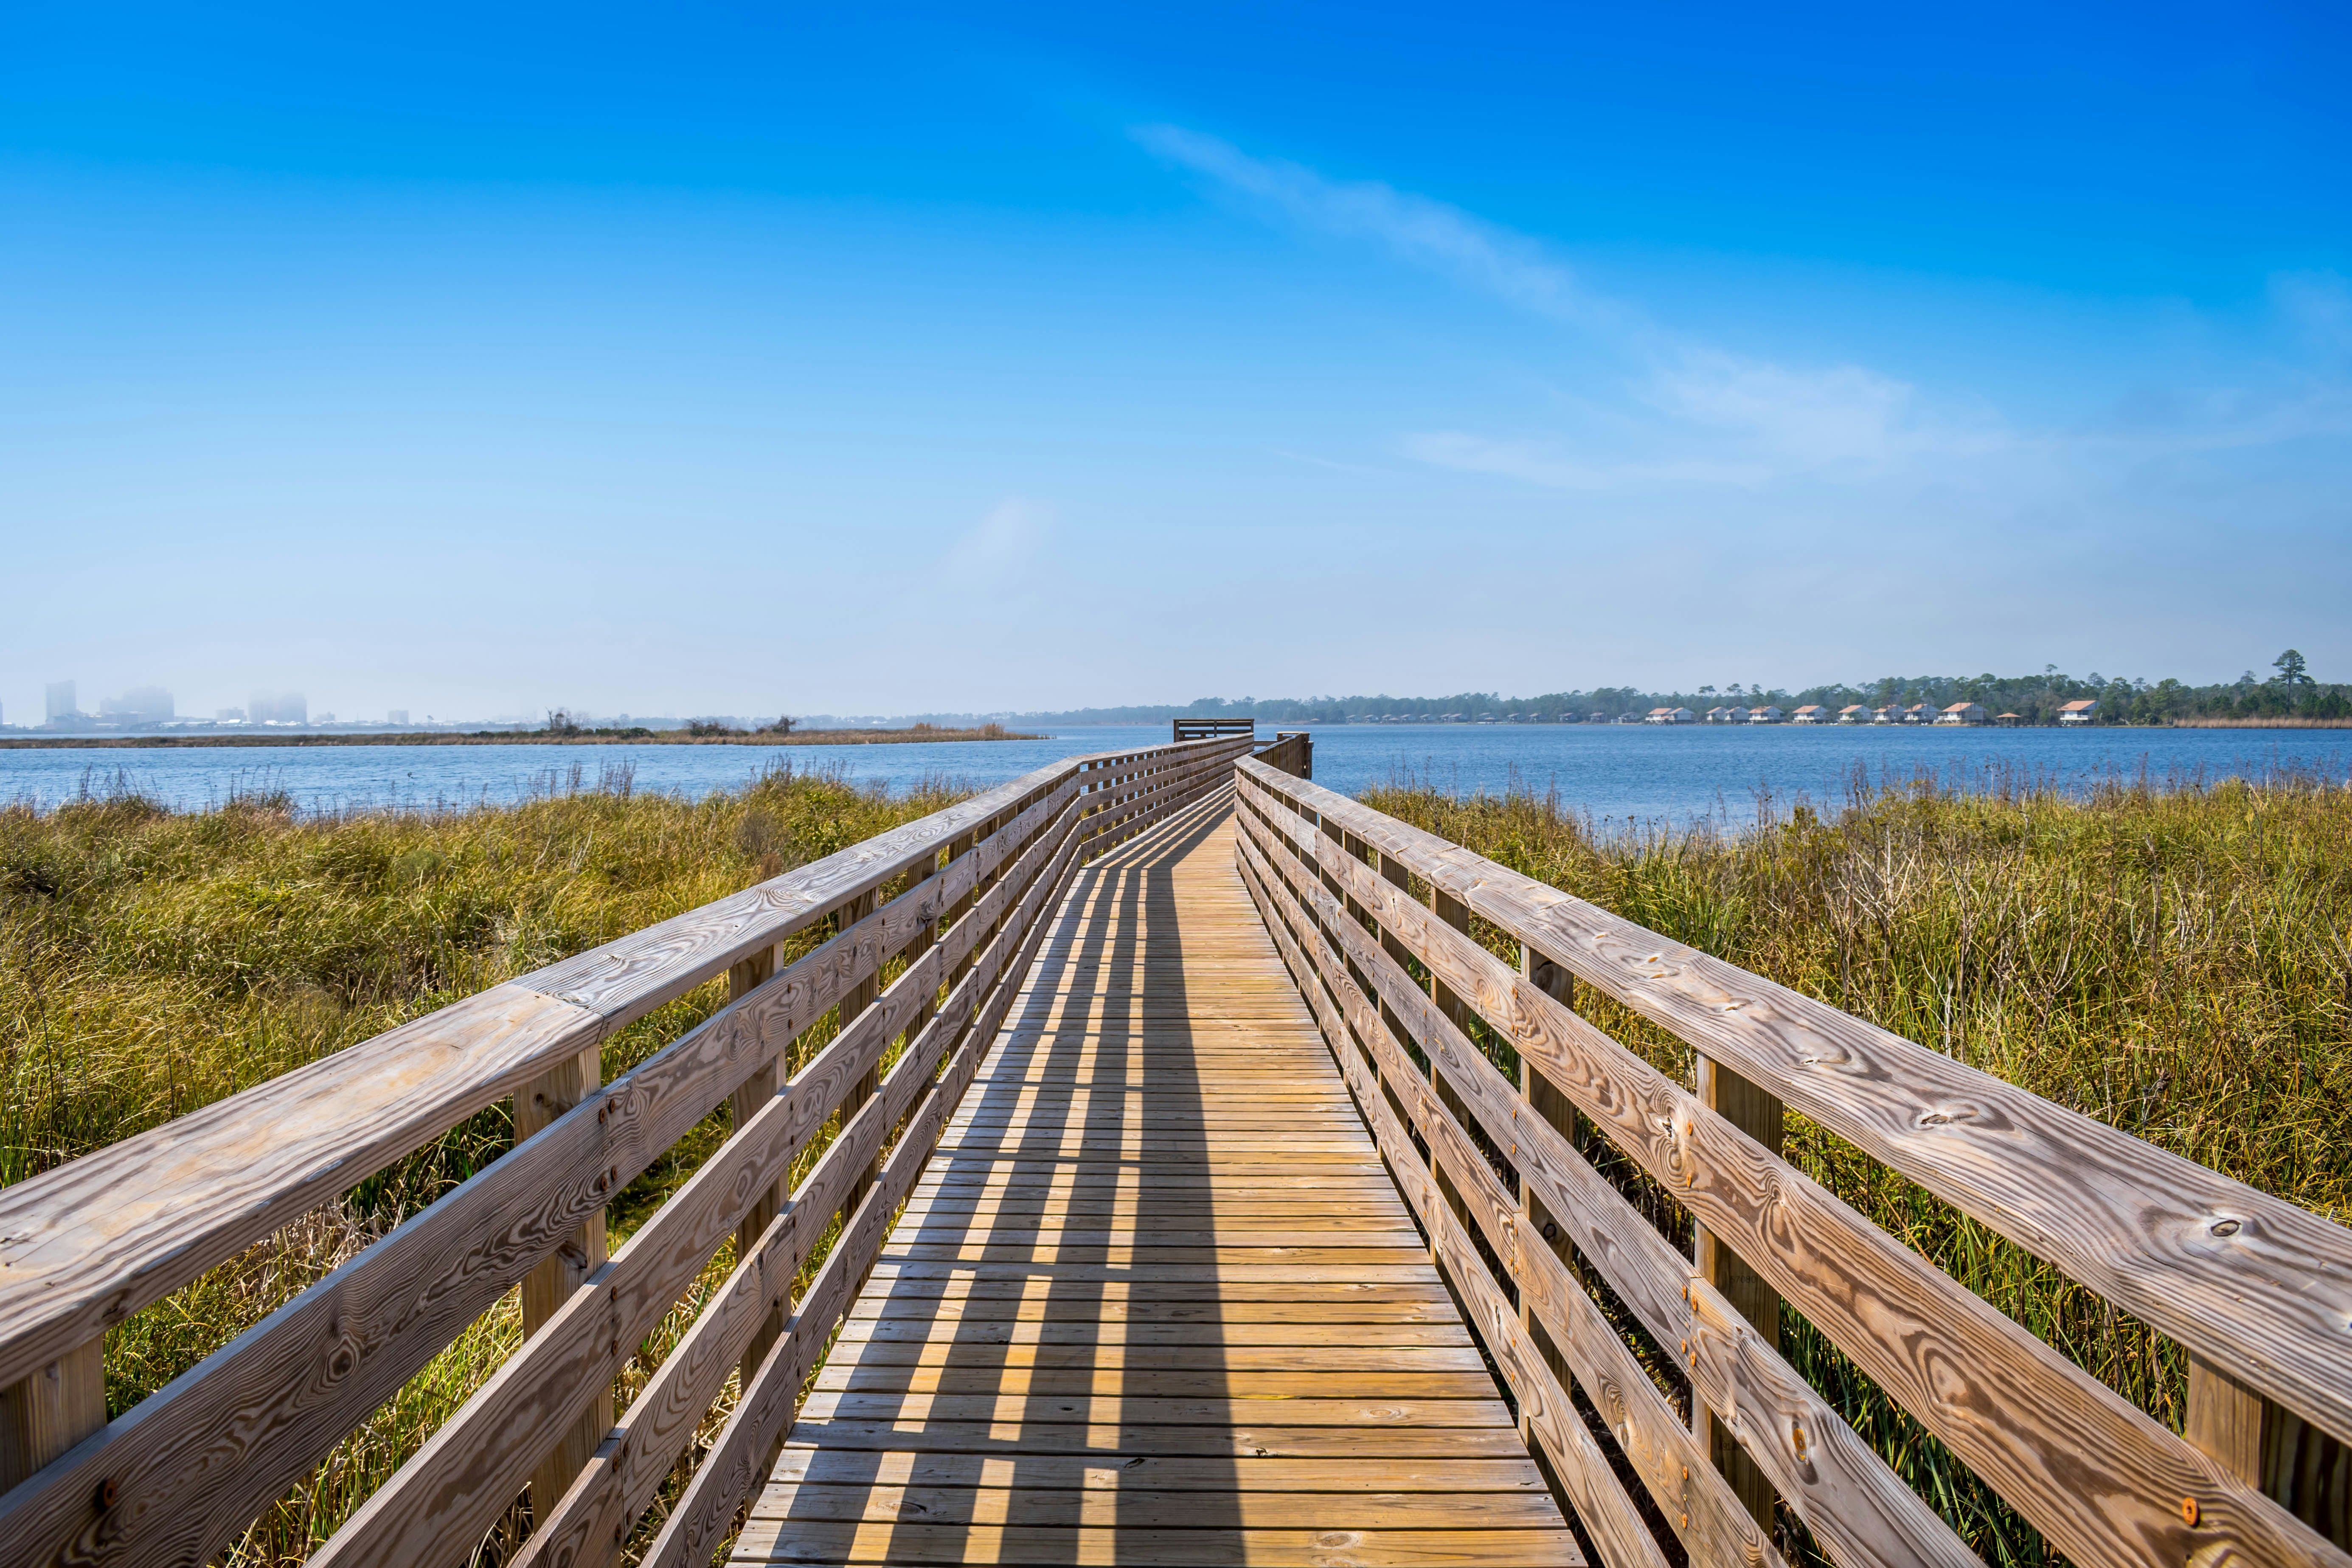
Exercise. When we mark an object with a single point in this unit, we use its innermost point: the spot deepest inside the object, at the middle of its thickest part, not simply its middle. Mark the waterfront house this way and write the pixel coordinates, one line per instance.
(1918, 713)
(1811, 713)
(1669, 716)
(2080, 711)
(1718, 715)
(1890, 715)
(1961, 713)
(1768, 714)
(2010, 720)
(1854, 713)
(1734, 715)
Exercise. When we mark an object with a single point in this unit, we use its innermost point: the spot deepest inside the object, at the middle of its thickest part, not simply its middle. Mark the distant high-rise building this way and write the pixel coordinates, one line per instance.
(140, 705)
(278, 708)
(228, 715)
(58, 700)
(396, 716)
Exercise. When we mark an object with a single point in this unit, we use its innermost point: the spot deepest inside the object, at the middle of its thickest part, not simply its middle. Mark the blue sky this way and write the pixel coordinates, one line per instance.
(776, 359)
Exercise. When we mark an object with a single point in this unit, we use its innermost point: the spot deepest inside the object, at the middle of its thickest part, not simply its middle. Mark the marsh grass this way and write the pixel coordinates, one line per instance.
(2168, 956)
(154, 962)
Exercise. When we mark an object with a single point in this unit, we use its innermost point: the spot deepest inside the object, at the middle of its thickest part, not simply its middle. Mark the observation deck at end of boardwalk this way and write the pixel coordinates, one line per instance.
(1162, 1160)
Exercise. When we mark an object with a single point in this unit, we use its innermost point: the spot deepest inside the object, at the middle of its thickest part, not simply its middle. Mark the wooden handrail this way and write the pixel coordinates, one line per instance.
(180, 1475)
(2157, 1234)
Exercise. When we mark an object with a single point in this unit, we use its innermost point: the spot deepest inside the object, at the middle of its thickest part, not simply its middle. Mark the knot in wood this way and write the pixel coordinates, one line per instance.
(2225, 1227)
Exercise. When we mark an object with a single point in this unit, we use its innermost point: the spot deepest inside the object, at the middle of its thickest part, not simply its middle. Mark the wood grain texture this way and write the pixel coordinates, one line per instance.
(2093, 1473)
(1033, 1286)
(88, 1244)
(642, 1450)
(1858, 1507)
(1760, 1116)
(2236, 1274)
(373, 1322)
(84, 1246)
(1702, 1508)
(1545, 1412)
(558, 1277)
(452, 1490)
(729, 1472)
(43, 1415)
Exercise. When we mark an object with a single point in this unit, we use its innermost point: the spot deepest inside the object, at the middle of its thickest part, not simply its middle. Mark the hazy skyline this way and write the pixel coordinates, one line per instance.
(857, 363)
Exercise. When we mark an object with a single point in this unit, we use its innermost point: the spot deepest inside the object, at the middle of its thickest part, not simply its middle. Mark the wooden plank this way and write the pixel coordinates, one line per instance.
(2091, 1471)
(644, 1449)
(1331, 1409)
(821, 1463)
(1224, 1443)
(449, 1492)
(727, 1473)
(818, 1542)
(1860, 1509)
(2236, 1274)
(1544, 1412)
(85, 1245)
(1134, 1510)
(1209, 1290)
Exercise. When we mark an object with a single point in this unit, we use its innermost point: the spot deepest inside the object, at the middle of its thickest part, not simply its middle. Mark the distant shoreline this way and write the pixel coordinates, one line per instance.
(920, 735)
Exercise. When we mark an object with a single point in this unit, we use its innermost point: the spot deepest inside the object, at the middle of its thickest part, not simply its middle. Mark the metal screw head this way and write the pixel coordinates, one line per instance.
(2188, 1511)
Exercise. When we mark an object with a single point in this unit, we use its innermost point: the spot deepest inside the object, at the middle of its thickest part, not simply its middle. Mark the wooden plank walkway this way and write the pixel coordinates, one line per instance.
(1156, 1300)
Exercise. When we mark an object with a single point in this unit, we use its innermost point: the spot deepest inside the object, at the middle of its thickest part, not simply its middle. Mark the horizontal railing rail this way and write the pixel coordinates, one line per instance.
(1374, 917)
(955, 901)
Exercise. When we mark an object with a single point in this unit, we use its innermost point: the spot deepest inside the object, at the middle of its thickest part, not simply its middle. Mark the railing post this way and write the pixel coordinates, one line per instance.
(856, 1000)
(2268, 1447)
(753, 1093)
(52, 1410)
(546, 1288)
(1759, 1115)
(1560, 1111)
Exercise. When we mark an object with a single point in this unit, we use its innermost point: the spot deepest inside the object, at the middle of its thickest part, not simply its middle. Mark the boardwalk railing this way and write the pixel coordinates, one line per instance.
(1375, 921)
(946, 908)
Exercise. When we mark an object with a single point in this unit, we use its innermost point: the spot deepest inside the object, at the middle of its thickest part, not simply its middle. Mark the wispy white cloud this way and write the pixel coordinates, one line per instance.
(1001, 546)
(1547, 463)
(1712, 416)
(1416, 229)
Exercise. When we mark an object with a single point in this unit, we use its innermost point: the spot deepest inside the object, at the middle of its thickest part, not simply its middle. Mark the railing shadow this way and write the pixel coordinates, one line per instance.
(1013, 1326)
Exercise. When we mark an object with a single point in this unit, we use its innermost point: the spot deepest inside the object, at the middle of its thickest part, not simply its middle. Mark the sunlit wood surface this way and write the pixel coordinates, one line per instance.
(1156, 1299)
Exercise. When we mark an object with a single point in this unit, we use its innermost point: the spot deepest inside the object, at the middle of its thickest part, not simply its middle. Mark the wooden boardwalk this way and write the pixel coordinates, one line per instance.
(1156, 1299)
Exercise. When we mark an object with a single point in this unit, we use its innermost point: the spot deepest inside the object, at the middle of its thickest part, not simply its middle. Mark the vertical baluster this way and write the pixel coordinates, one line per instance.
(1757, 1115)
(2268, 1446)
(1536, 1227)
(52, 1410)
(547, 1286)
(754, 1092)
(856, 1000)
(1455, 913)
(956, 912)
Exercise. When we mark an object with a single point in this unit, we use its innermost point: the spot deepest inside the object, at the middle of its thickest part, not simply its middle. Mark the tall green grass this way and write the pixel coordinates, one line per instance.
(153, 962)
(2170, 959)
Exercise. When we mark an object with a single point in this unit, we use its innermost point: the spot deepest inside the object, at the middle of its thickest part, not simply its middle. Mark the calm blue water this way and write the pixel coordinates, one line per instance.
(1610, 770)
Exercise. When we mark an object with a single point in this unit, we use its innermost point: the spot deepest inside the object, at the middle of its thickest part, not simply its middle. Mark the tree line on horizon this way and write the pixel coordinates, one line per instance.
(2289, 692)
